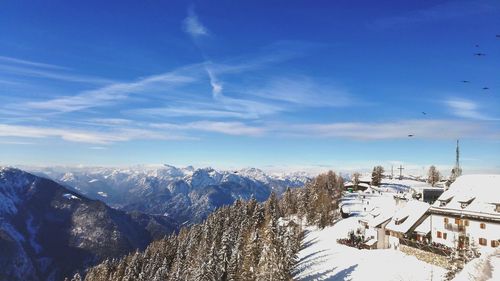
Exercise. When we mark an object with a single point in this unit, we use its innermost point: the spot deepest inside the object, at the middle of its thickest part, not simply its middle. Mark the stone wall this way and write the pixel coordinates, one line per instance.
(427, 257)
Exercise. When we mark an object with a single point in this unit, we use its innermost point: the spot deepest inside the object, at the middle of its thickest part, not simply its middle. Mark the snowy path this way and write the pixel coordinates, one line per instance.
(486, 267)
(324, 259)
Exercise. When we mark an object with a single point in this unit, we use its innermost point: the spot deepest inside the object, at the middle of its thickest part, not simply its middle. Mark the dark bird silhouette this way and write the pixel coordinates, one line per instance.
(486, 88)
(423, 112)
(480, 54)
(498, 35)
(477, 46)
(410, 136)
(465, 81)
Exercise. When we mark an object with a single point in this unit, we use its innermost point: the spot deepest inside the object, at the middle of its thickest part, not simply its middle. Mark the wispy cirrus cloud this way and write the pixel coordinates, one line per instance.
(109, 94)
(193, 26)
(443, 11)
(467, 109)
(86, 136)
(228, 128)
(303, 91)
(190, 111)
(421, 129)
(17, 61)
(24, 68)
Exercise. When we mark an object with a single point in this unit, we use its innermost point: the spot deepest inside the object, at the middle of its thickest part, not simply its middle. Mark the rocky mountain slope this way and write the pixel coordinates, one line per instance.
(48, 231)
(186, 195)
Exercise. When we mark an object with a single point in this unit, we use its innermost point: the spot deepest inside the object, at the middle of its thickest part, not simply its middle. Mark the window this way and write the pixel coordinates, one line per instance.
(445, 220)
(494, 243)
(483, 241)
(466, 222)
(457, 221)
(439, 234)
(445, 235)
(482, 225)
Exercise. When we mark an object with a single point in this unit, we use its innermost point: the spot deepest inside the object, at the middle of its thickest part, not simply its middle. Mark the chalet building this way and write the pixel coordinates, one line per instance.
(374, 226)
(351, 187)
(468, 213)
(404, 222)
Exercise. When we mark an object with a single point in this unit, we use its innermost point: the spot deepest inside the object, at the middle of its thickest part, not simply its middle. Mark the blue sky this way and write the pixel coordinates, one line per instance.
(337, 84)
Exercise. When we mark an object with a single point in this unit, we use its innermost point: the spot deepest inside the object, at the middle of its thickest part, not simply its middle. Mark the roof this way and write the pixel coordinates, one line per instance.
(408, 215)
(480, 193)
(371, 242)
(350, 184)
(380, 219)
(424, 227)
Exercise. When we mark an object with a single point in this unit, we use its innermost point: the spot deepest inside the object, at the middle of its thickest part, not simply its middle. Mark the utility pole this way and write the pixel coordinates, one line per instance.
(401, 172)
(457, 160)
(392, 172)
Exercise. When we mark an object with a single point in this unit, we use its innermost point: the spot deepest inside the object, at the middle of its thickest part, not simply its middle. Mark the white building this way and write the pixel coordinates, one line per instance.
(373, 227)
(404, 221)
(468, 212)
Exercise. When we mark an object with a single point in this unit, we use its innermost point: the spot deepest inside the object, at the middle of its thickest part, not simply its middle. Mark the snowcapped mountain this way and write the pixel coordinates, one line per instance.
(183, 194)
(48, 231)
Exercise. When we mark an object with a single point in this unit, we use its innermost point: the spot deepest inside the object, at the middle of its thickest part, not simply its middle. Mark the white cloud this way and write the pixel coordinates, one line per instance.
(11, 60)
(206, 111)
(214, 83)
(85, 136)
(466, 109)
(98, 148)
(52, 74)
(420, 129)
(228, 128)
(442, 11)
(303, 91)
(15, 142)
(193, 26)
(109, 94)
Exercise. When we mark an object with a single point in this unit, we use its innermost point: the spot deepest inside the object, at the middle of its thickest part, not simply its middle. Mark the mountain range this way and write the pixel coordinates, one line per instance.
(185, 195)
(48, 231)
(57, 221)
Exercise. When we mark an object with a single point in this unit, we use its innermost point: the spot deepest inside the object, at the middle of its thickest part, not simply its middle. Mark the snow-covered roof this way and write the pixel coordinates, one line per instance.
(472, 195)
(378, 220)
(371, 242)
(424, 227)
(407, 216)
(383, 210)
(349, 184)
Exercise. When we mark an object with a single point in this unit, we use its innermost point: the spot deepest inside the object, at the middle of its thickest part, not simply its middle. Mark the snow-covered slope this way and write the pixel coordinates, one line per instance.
(324, 259)
(47, 231)
(183, 194)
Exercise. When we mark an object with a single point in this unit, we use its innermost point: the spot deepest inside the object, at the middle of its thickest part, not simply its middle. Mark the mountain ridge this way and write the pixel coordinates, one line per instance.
(183, 194)
(42, 223)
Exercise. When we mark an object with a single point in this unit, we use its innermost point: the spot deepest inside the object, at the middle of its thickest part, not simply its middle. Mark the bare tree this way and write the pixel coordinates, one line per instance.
(433, 176)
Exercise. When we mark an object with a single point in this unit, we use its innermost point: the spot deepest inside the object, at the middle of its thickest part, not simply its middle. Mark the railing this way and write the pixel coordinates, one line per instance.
(436, 248)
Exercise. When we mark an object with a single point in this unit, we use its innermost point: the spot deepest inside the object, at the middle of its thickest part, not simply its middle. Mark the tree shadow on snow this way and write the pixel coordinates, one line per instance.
(340, 276)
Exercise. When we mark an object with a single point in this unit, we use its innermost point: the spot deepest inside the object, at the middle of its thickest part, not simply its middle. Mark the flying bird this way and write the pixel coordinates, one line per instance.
(486, 88)
(477, 46)
(423, 112)
(498, 35)
(465, 81)
(410, 136)
(480, 54)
